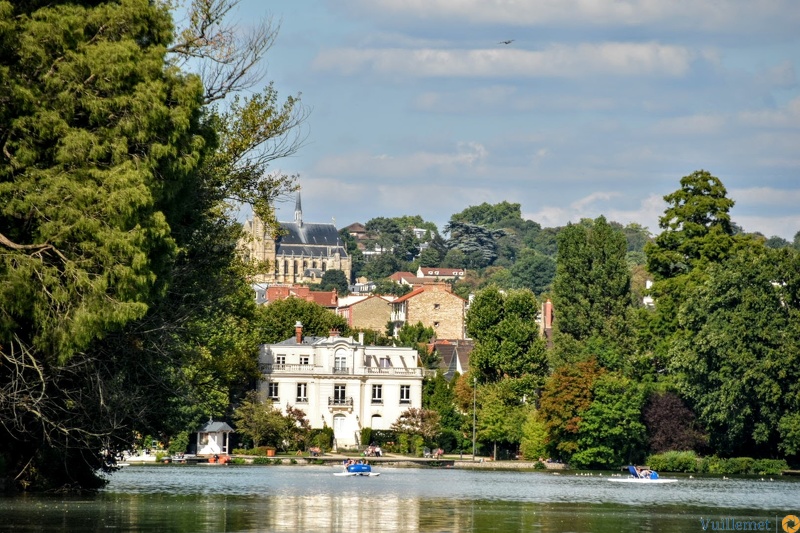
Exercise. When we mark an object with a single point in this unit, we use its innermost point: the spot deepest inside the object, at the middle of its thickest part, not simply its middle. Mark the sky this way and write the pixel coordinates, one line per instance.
(595, 107)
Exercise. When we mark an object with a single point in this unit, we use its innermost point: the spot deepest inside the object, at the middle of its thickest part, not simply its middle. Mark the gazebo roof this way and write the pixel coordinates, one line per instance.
(215, 427)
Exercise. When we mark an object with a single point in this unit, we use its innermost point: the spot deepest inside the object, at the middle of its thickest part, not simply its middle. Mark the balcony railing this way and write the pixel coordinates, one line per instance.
(340, 402)
(268, 368)
(392, 371)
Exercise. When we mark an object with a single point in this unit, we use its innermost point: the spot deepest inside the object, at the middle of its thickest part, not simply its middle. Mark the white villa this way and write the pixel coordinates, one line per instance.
(340, 382)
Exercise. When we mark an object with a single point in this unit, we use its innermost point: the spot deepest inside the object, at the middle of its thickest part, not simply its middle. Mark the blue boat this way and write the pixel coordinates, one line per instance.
(357, 469)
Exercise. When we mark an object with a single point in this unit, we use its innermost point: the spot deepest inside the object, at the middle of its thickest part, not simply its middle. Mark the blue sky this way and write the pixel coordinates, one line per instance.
(597, 107)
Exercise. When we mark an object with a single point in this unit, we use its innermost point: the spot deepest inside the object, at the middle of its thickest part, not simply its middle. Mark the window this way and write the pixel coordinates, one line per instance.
(386, 362)
(280, 360)
(303, 359)
(272, 391)
(340, 363)
(302, 392)
(405, 393)
(339, 395)
(436, 324)
(436, 306)
(377, 394)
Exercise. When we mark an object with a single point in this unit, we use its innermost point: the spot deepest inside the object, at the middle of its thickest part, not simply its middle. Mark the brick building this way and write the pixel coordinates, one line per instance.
(435, 306)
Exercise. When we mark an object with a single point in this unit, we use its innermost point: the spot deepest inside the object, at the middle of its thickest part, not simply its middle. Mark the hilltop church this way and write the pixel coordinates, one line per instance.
(301, 253)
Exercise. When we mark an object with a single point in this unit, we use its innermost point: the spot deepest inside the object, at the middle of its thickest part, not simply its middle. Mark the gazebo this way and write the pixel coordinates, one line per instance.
(214, 438)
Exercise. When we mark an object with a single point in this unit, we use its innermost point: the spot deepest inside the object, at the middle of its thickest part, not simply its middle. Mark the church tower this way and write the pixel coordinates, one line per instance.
(298, 212)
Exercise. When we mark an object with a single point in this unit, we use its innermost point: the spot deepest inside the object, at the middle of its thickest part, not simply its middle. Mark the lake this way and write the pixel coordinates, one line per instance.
(248, 498)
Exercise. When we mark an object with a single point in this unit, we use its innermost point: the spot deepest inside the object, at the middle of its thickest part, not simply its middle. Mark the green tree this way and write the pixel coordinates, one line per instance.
(697, 231)
(430, 257)
(610, 432)
(260, 422)
(418, 337)
(592, 293)
(478, 244)
(439, 395)
(139, 316)
(533, 270)
(276, 321)
(501, 414)
(533, 444)
(735, 356)
(334, 279)
(502, 215)
(507, 341)
(696, 227)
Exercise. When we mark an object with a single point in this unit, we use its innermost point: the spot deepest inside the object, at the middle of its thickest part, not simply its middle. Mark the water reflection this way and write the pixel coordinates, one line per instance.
(295, 499)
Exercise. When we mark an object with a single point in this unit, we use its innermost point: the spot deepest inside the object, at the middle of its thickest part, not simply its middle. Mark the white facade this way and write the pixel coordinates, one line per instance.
(340, 382)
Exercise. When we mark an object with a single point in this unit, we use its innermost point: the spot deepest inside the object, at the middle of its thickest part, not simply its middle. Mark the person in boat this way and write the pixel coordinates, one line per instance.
(643, 472)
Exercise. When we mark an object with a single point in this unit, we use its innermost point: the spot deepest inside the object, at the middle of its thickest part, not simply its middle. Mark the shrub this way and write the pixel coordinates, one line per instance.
(673, 461)
(538, 465)
(262, 461)
(741, 465)
(238, 461)
(769, 466)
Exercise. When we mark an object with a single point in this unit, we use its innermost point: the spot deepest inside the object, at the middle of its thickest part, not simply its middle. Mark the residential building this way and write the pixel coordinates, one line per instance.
(372, 312)
(341, 383)
(454, 355)
(441, 273)
(435, 306)
(300, 253)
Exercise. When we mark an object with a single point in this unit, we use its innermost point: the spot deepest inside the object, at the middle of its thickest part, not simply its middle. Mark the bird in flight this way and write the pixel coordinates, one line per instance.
(506, 42)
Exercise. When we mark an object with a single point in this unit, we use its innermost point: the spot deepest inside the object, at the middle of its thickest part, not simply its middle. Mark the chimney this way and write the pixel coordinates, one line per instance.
(298, 332)
(334, 333)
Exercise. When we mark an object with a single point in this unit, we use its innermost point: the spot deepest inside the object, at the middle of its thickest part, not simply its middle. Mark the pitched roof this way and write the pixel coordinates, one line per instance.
(324, 298)
(437, 271)
(215, 427)
(411, 294)
(454, 354)
(309, 240)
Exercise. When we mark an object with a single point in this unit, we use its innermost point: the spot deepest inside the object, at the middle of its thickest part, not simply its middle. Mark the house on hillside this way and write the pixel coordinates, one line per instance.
(441, 273)
(339, 382)
(435, 306)
(372, 312)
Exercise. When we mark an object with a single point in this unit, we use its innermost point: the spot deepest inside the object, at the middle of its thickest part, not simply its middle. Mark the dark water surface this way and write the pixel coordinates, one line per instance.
(310, 498)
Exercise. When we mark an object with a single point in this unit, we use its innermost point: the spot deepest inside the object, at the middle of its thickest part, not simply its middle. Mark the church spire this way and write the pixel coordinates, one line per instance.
(298, 211)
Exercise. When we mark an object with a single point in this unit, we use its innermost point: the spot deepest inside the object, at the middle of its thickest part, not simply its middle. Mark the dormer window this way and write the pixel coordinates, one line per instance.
(436, 306)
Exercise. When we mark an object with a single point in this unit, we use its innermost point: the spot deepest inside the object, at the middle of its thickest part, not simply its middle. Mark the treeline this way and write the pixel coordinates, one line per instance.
(711, 368)
(492, 242)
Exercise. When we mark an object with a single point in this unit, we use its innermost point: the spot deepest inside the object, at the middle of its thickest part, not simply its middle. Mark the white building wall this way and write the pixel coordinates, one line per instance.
(362, 370)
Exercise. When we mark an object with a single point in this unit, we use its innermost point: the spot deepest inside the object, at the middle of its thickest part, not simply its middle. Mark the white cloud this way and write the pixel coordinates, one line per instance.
(747, 15)
(785, 117)
(691, 125)
(466, 155)
(559, 61)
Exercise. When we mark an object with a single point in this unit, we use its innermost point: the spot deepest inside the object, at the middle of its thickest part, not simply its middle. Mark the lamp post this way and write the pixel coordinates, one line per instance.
(474, 390)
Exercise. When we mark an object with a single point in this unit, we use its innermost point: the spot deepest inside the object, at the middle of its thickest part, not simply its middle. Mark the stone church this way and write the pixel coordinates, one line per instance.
(301, 253)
